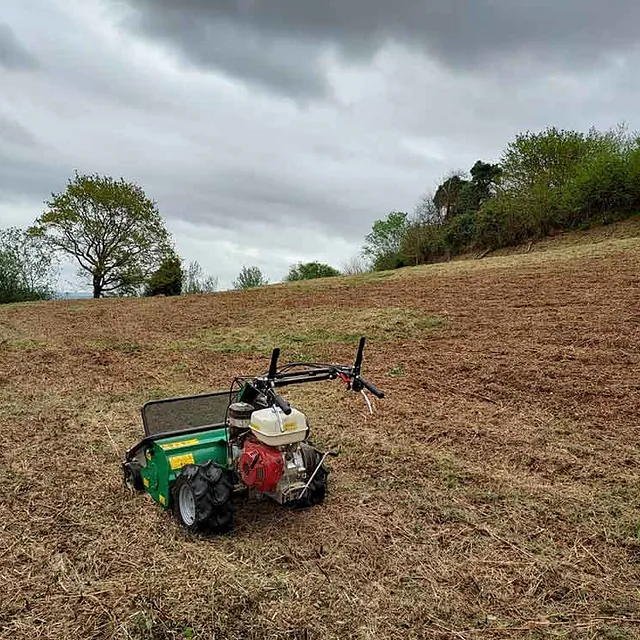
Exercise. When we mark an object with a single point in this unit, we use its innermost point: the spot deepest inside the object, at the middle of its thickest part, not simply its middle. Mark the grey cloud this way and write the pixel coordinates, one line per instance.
(12, 132)
(239, 200)
(239, 49)
(13, 55)
(30, 178)
(280, 43)
(244, 177)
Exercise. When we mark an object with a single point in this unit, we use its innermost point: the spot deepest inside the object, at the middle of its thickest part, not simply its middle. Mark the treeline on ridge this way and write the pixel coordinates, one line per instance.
(545, 182)
(554, 180)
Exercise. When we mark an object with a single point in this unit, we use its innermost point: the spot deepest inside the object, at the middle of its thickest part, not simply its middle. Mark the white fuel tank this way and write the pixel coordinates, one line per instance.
(274, 428)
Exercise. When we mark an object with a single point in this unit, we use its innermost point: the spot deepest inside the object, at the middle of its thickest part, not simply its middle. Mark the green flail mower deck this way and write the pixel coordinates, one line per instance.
(167, 456)
(178, 432)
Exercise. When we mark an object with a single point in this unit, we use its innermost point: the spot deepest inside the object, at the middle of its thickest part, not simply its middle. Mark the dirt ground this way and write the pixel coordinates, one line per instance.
(494, 494)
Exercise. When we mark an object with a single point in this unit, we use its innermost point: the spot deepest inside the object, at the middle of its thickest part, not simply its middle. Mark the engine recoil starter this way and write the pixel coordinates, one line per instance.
(260, 466)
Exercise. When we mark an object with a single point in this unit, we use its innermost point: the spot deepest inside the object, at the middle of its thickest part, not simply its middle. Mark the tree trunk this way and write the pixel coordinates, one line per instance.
(97, 286)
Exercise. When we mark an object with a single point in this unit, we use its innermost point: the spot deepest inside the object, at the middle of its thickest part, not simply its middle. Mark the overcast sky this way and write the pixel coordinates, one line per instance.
(273, 131)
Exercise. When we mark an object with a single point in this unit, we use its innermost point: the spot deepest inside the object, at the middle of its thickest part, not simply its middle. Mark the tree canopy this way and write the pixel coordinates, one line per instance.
(310, 270)
(457, 195)
(167, 279)
(383, 243)
(447, 196)
(196, 281)
(112, 230)
(249, 277)
(25, 267)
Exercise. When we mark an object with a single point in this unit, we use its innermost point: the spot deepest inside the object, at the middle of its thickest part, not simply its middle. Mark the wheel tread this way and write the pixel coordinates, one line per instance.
(213, 494)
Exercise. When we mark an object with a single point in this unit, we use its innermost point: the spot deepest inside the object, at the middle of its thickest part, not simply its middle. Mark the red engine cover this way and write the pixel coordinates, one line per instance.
(260, 466)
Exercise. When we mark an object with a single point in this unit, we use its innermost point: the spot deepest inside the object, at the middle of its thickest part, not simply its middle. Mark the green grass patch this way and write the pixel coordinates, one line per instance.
(299, 331)
(23, 344)
(397, 371)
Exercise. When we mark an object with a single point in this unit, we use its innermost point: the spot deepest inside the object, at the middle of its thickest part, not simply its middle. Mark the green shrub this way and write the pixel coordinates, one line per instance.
(599, 189)
(26, 271)
(423, 243)
(167, 279)
(310, 271)
(390, 260)
(490, 225)
(459, 232)
(633, 176)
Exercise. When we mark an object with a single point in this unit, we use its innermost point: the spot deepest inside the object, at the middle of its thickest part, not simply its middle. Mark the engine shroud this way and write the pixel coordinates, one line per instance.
(260, 466)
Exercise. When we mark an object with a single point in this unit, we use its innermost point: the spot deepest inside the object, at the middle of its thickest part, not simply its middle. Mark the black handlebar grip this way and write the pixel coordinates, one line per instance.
(273, 367)
(282, 403)
(358, 363)
(371, 387)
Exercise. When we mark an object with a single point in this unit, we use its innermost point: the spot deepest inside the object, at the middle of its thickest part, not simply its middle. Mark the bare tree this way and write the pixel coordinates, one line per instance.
(355, 266)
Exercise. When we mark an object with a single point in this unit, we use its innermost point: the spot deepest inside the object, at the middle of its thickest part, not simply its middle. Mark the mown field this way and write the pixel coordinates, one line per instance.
(494, 494)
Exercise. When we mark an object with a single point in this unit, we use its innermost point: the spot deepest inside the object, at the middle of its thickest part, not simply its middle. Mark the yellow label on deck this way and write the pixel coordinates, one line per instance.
(145, 482)
(162, 499)
(177, 462)
(178, 445)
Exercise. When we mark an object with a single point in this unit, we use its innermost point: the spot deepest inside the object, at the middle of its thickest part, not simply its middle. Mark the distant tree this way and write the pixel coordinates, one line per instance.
(167, 279)
(447, 195)
(355, 266)
(427, 212)
(602, 188)
(248, 278)
(485, 177)
(383, 243)
(196, 281)
(310, 270)
(423, 242)
(25, 267)
(110, 228)
(544, 159)
(473, 193)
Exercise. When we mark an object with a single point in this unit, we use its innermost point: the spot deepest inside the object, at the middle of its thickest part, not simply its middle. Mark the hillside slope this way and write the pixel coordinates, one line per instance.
(494, 493)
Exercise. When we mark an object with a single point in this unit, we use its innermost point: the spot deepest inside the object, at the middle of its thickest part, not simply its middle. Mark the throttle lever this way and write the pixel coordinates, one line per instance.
(346, 379)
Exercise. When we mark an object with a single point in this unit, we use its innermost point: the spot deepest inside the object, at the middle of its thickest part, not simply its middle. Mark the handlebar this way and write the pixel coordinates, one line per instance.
(372, 388)
(282, 403)
(357, 365)
(273, 366)
(302, 372)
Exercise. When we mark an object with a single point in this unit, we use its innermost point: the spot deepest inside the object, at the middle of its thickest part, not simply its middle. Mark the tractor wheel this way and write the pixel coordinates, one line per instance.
(131, 476)
(318, 488)
(202, 498)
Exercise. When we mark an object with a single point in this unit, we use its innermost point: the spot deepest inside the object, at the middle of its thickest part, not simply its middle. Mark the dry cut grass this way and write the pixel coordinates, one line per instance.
(494, 494)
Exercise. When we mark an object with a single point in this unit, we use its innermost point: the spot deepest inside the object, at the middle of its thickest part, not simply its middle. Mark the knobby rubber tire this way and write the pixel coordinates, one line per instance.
(212, 490)
(131, 476)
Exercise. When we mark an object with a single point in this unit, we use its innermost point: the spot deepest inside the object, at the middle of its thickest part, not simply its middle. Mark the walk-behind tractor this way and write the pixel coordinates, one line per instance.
(200, 451)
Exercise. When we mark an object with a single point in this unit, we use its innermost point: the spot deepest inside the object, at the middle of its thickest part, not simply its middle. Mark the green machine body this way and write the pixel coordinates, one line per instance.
(165, 458)
(178, 432)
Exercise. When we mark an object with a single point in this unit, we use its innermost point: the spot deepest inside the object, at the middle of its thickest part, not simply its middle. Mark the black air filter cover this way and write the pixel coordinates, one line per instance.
(241, 411)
